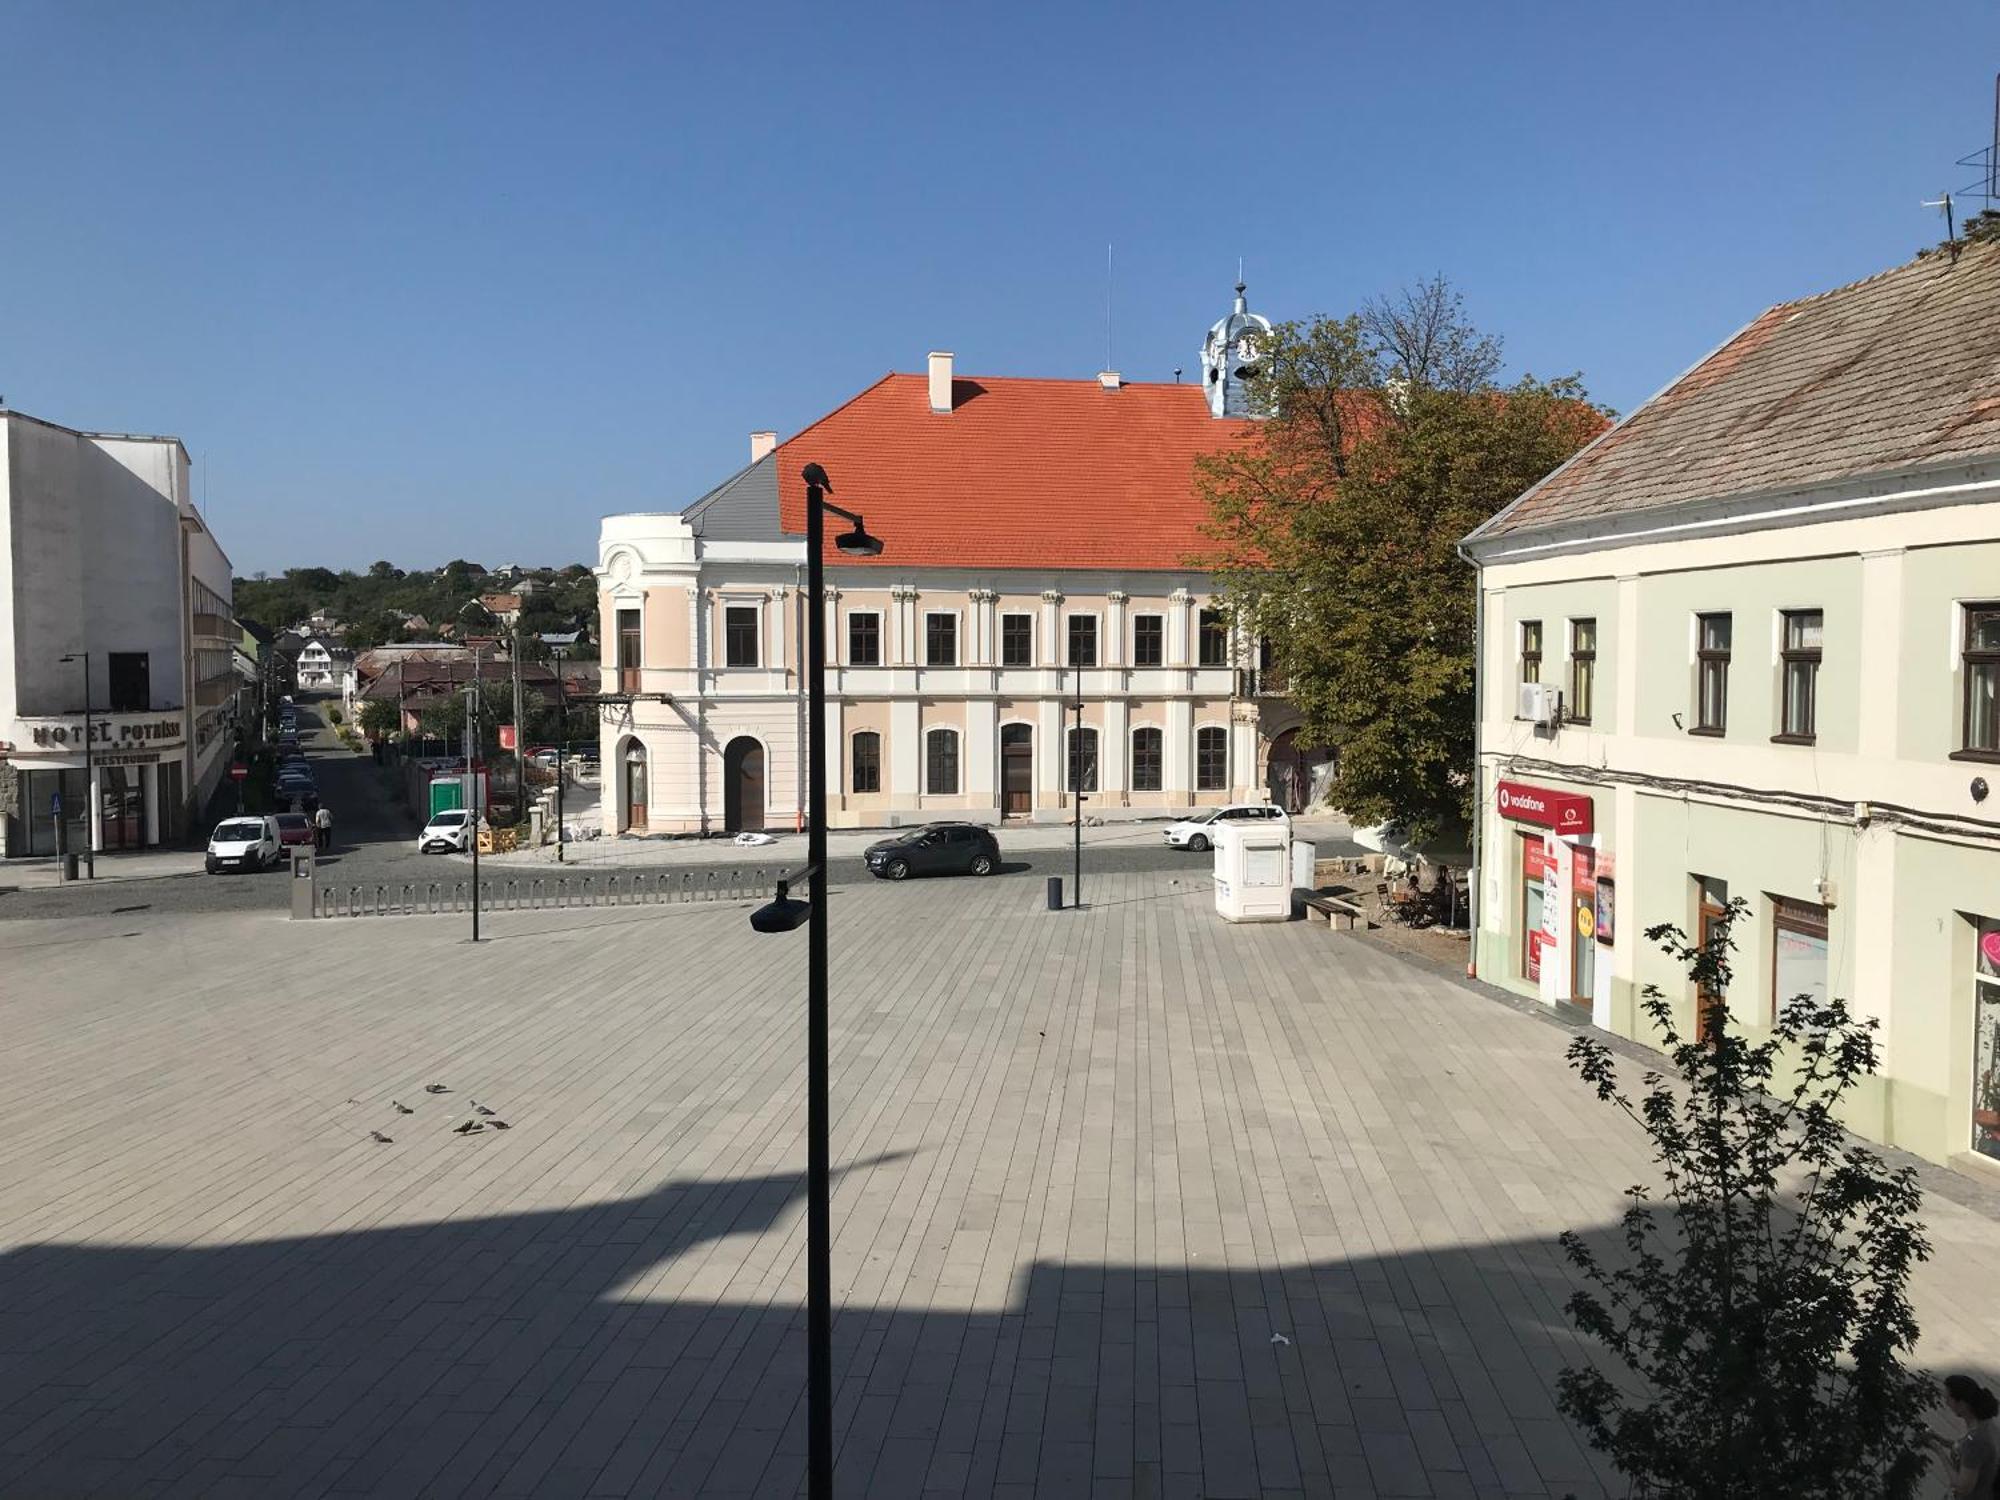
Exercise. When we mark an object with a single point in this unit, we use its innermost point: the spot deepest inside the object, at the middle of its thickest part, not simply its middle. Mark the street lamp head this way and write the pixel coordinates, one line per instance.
(816, 477)
(858, 543)
(782, 915)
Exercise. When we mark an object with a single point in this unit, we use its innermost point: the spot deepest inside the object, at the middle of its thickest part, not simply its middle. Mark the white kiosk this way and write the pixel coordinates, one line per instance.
(1253, 871)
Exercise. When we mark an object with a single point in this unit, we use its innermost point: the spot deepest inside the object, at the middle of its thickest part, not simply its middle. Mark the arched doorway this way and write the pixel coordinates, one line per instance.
(632, 788)
(1297, 776)
(743, 786)
(1017, 770)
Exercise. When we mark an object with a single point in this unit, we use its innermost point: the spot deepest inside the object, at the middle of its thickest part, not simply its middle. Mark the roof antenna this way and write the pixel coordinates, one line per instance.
(1107, 307)
(1177, 374)
(1950, 227)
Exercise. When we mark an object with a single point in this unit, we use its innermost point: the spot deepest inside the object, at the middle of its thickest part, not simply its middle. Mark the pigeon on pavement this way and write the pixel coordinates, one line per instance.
(402, 1108)
(381, 1139)
(480, 1108)
(436, 1088)
(468, 1128)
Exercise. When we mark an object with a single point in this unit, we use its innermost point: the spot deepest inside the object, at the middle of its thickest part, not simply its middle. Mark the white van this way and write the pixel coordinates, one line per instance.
(244, 843)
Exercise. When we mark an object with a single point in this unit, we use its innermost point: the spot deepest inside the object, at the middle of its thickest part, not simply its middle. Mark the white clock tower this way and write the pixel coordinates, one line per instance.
(1229, 357)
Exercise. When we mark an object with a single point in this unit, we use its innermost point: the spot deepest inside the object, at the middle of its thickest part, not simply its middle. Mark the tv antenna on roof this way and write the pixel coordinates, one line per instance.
(1950, 226)
(1107, 307)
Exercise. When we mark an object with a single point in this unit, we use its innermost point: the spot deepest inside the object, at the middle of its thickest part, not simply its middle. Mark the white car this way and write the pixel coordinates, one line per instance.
(449, 832)
(1197, 833)
(246, 843)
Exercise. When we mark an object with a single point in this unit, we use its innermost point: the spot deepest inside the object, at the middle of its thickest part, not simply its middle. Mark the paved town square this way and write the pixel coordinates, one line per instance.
(1129, 1202)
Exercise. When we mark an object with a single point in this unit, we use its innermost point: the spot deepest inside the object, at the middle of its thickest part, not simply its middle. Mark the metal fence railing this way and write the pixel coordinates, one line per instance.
(407, 898)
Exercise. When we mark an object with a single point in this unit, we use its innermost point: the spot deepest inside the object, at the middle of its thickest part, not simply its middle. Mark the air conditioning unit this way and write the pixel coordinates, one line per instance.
(1539, 704)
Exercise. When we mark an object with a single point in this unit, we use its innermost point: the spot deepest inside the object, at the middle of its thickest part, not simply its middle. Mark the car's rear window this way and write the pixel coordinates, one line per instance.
(291, 820)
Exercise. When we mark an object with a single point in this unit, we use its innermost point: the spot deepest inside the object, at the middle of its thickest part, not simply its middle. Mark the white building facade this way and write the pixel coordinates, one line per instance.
(118, 681)
(1039, 538)
(1747, 646)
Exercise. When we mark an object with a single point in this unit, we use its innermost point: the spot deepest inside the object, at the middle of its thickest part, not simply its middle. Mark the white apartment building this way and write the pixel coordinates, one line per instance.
(117, 623)
(1747, 644)
(1039, 544)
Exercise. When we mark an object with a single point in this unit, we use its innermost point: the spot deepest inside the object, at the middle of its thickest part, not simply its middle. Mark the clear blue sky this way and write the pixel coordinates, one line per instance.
(418, 281)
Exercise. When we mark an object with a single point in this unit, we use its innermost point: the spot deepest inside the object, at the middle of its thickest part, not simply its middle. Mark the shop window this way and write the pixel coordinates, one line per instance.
(1582, 669)
(1536, 870)
(1083, 640)
(1986, 1037)
(940, 640)
(130, 688)
(1531, 651)
(628, 650)
(1800, 670)
(1149, 640)
(1082, 760)
(864, 639)
(1980, 666)
(1711, 707)
(1214, 633)
(1147, 770)
(1017, 640)
(1211, 759)
(741, 624)
(867, 761)
(1798, 954)
(941, 763)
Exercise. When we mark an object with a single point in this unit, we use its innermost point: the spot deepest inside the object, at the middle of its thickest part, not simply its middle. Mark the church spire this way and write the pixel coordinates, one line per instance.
(1229, 355)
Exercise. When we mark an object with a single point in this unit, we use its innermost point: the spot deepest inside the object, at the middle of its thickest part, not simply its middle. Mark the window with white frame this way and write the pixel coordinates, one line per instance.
(940, 640)
(1149, 640)
(941, 763)
(742, 625)
(1082, 774)
(1148, 760)
(864, 638)
(1083, 640)
(1213, 633)
(1211, 759)
(1017, 640)
(867, 761)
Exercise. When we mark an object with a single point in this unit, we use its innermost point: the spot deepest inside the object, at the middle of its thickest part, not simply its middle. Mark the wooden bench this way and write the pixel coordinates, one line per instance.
(1331, 909)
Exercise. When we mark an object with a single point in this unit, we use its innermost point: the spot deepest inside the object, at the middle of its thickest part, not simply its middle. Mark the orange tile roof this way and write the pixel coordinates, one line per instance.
(1019, 474)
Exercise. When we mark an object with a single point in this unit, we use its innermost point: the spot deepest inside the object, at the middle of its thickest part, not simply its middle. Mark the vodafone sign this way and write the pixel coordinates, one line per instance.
(1565, 812)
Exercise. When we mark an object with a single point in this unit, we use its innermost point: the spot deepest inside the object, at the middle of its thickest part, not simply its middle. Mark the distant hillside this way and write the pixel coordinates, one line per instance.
(372, 605)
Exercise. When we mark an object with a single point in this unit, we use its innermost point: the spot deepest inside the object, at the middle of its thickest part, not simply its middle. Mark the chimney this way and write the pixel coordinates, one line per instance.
(1109, 379)
(940, 380)
(762, 443)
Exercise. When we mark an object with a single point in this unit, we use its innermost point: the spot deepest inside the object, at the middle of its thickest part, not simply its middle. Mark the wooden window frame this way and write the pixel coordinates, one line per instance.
(1973, 663)
(1801, 659)
(1582, 671)
(1712, 660)
(1795, 917)
(1087, 738)
(1070, 639)
(631, 663)
(1211, 634)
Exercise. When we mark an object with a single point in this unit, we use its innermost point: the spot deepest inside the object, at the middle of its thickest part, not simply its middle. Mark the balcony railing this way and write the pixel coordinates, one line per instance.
(1260, 682)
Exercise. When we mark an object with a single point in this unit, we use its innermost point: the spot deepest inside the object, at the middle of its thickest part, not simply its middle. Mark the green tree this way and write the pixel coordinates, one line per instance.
(1761, 1309)
(384, 570)
(379, 718)
(1385, 441)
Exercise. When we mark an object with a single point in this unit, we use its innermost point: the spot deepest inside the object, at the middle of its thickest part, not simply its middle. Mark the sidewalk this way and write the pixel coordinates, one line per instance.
(137, 864)
(848, 843)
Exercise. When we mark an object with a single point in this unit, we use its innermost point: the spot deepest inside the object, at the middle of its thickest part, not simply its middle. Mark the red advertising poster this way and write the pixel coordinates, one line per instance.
(1535, 940)
(1536, 861)
(507, 736)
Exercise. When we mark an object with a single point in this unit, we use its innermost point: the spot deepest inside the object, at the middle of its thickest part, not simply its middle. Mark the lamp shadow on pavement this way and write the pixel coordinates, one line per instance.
(559, 1353)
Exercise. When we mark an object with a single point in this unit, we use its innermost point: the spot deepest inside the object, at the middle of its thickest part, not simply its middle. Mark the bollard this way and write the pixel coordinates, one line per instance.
(1055, 893)
(303, 862)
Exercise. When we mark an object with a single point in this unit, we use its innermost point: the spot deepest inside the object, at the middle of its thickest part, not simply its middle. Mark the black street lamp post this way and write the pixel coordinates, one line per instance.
(784, 914)
(1076, 793)
(89, 775)
(559, 647)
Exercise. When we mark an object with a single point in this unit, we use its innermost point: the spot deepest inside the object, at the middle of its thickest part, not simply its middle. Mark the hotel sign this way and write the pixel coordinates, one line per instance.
(110, 734)
(1564, 812)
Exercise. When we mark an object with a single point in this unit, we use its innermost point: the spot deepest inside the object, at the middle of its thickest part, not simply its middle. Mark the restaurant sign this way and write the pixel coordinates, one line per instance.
(1564, 812)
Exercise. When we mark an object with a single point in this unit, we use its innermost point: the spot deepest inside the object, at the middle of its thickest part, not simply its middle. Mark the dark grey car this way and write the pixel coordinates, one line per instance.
(936, 849)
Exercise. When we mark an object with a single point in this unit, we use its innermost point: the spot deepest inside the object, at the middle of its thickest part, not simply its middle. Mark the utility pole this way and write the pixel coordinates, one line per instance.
(472, 798)
(520, 732)
(1076, 792)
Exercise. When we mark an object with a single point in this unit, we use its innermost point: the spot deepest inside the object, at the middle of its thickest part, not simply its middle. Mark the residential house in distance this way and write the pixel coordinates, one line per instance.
(1039, 538)
(324, 665)
(118, 682)
(1747, 645)
(504, 607)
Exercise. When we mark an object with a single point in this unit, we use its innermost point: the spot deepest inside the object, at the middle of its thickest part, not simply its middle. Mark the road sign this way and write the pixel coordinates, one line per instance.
(507, 736)
(238, 771)
(55, 805)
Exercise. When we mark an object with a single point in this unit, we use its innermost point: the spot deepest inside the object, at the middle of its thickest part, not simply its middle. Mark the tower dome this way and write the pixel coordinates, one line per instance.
(1229, 358)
